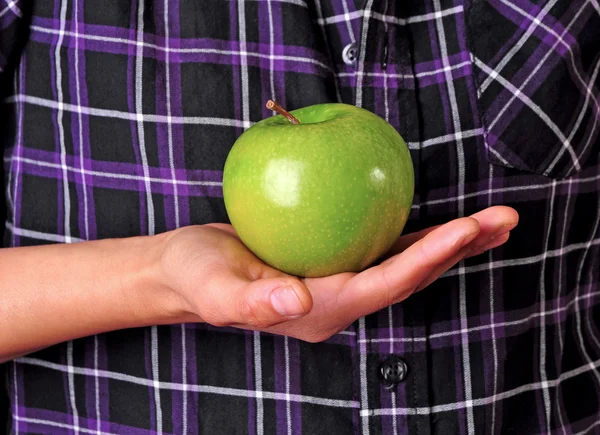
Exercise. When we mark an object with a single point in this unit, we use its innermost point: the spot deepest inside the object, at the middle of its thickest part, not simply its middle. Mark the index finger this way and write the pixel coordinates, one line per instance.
(489, 220)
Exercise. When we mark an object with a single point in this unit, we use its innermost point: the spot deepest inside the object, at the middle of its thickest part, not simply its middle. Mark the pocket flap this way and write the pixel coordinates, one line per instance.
(537, 71)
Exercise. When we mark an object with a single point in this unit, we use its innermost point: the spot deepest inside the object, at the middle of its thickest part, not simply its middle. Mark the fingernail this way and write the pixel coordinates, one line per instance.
(286, 302)
(468, 239)
(501, 231)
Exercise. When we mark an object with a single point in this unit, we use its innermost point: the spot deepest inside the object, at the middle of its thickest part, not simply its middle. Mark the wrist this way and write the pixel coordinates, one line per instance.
(151, 299)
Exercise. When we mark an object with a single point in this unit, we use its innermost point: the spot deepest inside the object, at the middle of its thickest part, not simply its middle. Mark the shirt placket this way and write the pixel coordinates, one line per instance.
(392, 363)
(370, 46)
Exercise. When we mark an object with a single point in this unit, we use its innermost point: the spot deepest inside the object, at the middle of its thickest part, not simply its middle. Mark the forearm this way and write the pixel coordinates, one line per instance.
(50, 294)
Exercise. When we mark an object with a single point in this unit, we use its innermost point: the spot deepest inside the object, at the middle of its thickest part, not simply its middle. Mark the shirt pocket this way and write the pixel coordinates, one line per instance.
(536, 71)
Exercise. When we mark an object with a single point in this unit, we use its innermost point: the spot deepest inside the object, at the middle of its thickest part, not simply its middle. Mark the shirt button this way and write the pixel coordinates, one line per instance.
(392, 371)
(350, 54)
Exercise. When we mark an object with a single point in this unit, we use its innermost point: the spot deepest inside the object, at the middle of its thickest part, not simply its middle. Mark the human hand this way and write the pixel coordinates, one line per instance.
(222, 283)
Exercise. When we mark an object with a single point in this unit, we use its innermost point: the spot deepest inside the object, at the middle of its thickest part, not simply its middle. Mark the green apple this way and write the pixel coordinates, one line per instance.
(326, 195)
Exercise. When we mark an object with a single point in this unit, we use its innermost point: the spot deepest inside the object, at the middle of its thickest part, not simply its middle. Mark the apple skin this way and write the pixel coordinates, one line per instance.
(328, 195)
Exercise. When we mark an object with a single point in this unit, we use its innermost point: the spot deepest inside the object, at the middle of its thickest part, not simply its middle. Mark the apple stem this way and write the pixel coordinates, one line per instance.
(272, 105)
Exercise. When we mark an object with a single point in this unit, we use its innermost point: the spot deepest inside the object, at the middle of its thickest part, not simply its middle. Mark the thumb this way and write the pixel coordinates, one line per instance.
(267, 302)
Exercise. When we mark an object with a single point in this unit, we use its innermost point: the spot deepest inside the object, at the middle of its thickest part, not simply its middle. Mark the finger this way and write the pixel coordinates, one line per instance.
(466, 252)
(256, 304)
(407, 240)
(491, 235)
(396, 278)
(494, 222)
(493, 243)
(490, 220)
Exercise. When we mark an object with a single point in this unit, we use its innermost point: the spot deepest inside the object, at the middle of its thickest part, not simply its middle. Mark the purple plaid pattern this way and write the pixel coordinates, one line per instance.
(116, 120)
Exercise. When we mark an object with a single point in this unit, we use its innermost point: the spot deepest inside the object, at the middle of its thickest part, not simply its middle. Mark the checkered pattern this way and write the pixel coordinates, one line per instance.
(117, 120)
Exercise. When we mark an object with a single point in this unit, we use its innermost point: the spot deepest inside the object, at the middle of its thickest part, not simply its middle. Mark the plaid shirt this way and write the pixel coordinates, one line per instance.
(116, 121)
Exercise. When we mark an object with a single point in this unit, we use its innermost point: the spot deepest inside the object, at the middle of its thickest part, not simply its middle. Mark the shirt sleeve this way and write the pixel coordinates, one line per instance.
(11, 20)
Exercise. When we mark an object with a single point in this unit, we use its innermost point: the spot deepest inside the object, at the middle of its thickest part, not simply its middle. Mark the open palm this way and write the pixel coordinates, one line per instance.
(221, 282)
